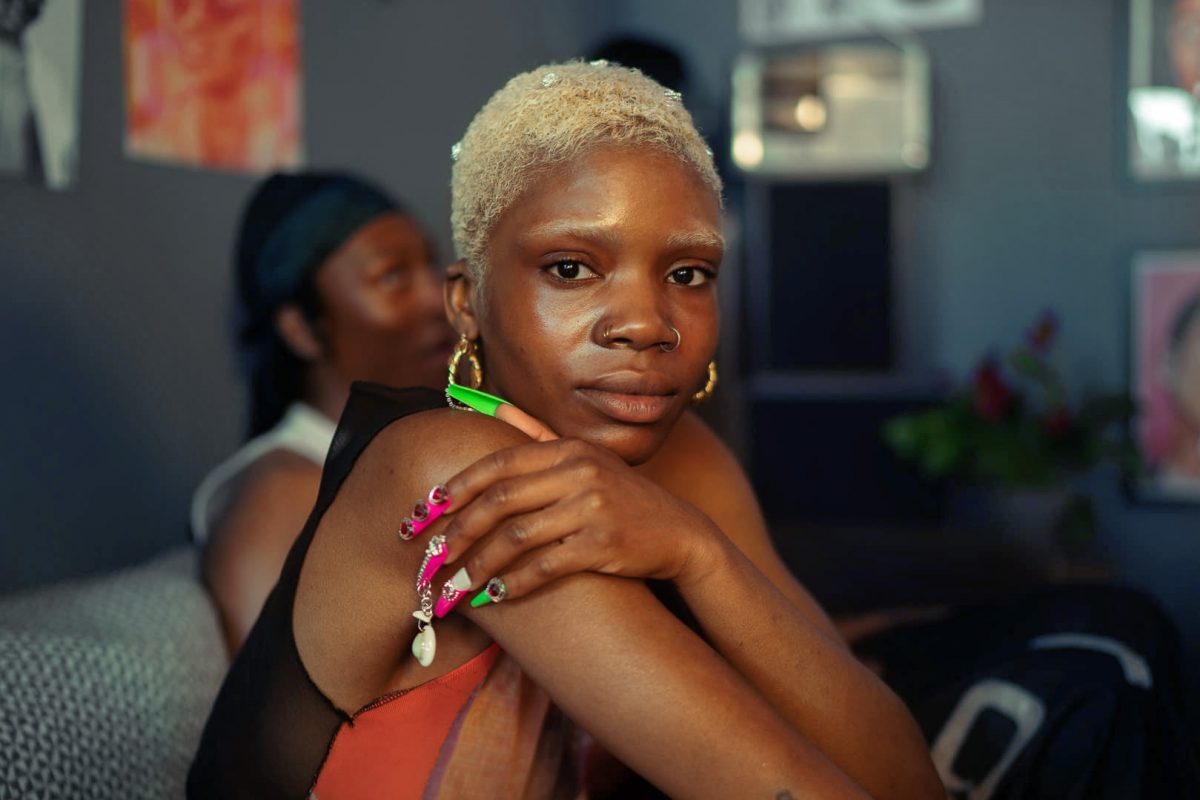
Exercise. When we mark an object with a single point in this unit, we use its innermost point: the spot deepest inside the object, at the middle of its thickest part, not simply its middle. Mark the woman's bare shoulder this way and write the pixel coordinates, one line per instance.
(695, 464)
(266, 509)
(434, 445)
(357, 562)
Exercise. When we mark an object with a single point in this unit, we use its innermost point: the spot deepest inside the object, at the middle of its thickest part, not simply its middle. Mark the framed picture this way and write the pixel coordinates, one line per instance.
(1164, 90)
(1165, 373)
(39, 90)
(214, 85)
(765, 22)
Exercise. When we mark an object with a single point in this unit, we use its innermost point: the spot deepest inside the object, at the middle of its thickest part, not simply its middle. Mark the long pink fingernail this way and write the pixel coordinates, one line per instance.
(435, 556)
(447, 599)
(427, 511)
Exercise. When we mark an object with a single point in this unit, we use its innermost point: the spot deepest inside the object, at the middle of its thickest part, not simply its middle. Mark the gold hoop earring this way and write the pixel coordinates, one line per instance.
(709, 385)
(464, 348)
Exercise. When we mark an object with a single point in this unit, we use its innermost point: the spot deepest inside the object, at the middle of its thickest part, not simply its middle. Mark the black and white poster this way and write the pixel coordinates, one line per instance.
(39, 90)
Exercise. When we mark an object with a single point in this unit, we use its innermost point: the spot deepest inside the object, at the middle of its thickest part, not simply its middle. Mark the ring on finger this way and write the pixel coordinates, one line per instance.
(495, 591)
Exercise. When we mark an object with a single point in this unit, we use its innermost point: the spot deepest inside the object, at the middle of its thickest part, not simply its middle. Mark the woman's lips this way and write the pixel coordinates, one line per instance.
(636, 409)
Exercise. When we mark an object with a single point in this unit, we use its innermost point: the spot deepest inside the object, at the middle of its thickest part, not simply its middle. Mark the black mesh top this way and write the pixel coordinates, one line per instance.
(271, 728)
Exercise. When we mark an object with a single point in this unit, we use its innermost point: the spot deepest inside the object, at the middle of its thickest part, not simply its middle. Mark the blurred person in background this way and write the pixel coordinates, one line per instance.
(335, 283)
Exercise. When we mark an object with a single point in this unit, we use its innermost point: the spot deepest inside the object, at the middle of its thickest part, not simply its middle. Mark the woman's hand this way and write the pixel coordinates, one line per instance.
(537, 512)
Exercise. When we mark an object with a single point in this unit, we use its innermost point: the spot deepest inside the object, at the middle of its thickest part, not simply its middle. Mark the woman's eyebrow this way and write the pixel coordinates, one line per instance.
(684, 240)
(604, 234)
(601, 233)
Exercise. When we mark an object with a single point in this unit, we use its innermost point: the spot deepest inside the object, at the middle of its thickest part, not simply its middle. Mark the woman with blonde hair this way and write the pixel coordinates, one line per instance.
(605, 594)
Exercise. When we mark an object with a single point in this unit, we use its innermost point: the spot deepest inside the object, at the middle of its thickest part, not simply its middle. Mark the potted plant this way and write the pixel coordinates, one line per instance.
(1015, 431)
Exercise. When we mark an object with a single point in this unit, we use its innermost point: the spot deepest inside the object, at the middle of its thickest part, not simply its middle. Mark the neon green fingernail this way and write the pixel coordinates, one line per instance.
(482, 402)
(481, 599)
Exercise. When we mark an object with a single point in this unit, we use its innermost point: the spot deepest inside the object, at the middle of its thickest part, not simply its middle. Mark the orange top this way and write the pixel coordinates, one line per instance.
(390, 747)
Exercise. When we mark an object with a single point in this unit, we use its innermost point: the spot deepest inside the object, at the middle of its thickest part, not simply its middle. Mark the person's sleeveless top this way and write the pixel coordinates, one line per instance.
(482, 730)
(303, 430)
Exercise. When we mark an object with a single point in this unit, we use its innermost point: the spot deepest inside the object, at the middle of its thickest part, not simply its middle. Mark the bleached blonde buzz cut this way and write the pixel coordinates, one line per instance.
(548, 117)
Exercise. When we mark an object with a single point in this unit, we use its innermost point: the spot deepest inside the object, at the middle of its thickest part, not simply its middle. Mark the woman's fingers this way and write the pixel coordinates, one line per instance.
(509, 482)
(542, 566)
(518, 536)
(530, 426)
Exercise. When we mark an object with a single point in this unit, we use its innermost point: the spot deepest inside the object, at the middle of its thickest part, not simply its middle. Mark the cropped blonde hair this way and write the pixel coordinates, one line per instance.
(547, 117)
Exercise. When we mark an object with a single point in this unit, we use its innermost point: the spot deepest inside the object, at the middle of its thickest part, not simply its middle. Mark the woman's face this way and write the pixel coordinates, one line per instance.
(592, 272)
(381, 316)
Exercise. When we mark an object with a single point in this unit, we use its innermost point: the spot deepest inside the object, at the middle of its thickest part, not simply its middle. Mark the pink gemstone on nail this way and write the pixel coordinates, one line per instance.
(420, 511)
(438, 495)
(407, 530)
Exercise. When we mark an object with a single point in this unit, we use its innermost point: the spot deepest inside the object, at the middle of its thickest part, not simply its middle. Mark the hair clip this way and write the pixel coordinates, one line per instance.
(673, 95)
(549, 79)
(599, 62)
(455, 149)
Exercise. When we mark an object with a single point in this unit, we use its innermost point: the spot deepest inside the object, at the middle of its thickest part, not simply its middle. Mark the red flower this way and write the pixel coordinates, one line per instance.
(1042, 334)
(1058, 421)
(993, 398)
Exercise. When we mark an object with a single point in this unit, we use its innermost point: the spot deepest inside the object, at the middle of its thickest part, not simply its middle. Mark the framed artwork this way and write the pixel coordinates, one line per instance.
(1164, 90)
(213, 84)
(1165, 373)
(780, 21)
(39, 90)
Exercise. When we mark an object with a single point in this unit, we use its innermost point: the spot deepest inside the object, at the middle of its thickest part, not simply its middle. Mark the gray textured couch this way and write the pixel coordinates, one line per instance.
(105, 683)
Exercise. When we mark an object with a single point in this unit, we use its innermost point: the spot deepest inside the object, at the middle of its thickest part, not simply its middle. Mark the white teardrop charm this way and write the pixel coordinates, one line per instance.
(424, 646)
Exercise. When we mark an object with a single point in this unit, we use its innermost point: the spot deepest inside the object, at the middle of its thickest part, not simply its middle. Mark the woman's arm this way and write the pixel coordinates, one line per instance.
(798, 661)
(604, 648)
(655, 695)
(567, 507)
(248, 543)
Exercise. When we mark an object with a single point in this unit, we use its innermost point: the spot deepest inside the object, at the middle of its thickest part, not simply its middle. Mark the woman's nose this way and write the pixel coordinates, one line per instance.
(637, 323)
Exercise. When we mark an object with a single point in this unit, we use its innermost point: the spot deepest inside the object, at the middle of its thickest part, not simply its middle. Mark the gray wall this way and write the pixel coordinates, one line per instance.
(119, 388)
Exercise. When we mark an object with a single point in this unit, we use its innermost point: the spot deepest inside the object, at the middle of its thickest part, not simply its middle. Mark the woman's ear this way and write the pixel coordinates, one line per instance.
(459, 297)
(297, 333)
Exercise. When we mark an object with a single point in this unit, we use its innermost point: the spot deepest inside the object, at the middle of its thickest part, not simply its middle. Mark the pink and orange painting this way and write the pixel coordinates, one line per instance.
(213, 83)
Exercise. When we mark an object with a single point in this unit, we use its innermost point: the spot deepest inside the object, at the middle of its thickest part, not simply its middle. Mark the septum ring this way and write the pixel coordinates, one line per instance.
(678, 340)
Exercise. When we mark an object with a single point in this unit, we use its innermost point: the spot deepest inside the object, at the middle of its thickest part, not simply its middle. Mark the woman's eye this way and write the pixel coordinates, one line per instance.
(394, 277)
(689, 276)
(571, 270)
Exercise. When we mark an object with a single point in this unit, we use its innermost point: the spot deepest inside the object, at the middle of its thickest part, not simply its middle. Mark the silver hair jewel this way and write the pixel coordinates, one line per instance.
(708, 150)
(678, 341)
(455, 149)
(599, 62)
(549, 79)
(673, 95)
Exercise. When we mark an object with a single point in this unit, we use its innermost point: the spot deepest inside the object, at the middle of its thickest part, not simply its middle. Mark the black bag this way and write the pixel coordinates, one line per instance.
(1072, 693)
